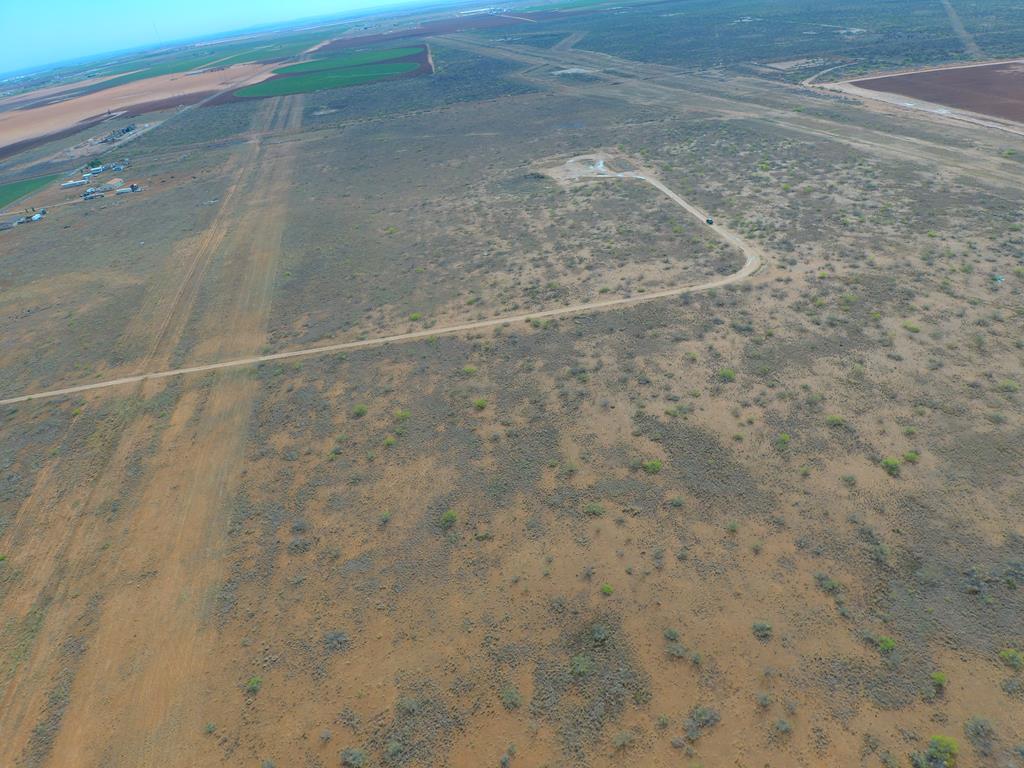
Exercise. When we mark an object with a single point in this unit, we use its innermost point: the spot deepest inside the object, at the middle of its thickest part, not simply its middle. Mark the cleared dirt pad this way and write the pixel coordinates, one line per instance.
(989, 89)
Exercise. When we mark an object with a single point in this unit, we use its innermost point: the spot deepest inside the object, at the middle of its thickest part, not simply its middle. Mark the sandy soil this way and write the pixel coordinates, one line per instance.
(26, 124)
(199, 476)
(263, 531)
(43, 94)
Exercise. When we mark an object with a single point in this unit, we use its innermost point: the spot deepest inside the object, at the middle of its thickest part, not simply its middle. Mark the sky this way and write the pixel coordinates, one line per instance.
(59, 30)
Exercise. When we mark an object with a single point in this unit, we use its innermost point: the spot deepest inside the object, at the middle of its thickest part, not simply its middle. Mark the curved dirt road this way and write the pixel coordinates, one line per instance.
(581, 167)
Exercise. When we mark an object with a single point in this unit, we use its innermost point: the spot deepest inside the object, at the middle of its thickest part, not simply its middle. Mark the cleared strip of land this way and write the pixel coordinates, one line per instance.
(585, 166)
(970, 44)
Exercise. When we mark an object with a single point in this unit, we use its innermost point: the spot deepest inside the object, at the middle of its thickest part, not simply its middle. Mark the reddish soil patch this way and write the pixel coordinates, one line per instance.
(989, 89)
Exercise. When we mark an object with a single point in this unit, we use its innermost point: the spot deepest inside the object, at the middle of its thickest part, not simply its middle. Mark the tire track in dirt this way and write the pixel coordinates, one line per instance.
(46, 567)
(140, 675)
(754, 259)
(970, 44)
(154, 709)
(568, 42)
(174, 322)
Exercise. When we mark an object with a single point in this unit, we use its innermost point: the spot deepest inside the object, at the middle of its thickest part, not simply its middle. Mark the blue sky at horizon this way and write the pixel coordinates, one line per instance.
(62, 30)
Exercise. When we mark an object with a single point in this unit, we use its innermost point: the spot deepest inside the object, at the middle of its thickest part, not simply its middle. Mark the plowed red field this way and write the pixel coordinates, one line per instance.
(989, 89)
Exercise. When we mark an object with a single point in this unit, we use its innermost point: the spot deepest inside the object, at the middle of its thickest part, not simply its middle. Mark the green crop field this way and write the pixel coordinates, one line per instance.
(220, 55)
(16, 190)
(350, 60)
(323, 80)
(284, 48)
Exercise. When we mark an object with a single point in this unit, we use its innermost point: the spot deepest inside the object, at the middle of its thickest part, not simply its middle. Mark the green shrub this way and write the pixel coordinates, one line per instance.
(981, 733)
(651, 466)
(939, 681)
(580, 665)
(1012, 658)
(416, 316)
(886, 644)
(891, 465)
(827, 584)
(359, 411)
(728, 375)
(911, 457)
(253, 685)
(402, 415)
(834, 421)
(623, 739)
(783, 440)
(448, 519)
(676, 650)
(699, 719)
(480, 403)
(353, 758)
(607, 589)
(510, 697)
(1009, 386)
(594, 509)
(942, 753)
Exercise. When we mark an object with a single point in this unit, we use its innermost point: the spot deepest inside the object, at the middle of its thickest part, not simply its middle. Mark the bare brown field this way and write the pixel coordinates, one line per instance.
(988, 89)
(774, 522)
(22, 127)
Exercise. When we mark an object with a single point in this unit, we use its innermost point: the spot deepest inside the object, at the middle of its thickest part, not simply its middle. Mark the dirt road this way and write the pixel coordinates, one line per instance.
(580, 167)
(747, 98)
(970, 44)
(155, 631)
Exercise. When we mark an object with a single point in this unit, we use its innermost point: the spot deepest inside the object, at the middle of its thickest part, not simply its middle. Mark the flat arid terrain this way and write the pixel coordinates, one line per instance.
(584, 385)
